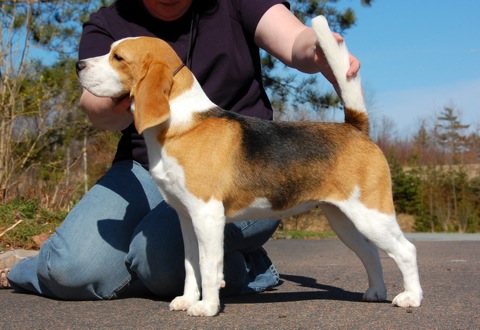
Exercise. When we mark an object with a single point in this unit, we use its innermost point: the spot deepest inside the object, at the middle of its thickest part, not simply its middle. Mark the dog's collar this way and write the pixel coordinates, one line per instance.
(177, 70)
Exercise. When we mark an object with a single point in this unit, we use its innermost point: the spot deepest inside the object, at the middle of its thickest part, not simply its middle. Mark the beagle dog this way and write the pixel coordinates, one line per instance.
(215, 166)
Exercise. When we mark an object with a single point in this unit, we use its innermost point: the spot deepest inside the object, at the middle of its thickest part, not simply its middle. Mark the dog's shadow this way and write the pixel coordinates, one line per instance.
(320, 292)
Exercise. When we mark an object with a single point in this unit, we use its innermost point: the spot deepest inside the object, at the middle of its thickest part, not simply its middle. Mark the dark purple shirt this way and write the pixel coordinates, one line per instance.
(224, 57)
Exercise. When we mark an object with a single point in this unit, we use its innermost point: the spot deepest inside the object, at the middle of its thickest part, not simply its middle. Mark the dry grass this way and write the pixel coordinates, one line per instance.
(315, 221)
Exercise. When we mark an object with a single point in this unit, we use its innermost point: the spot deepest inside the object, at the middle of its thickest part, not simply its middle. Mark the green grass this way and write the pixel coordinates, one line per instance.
(35, 220)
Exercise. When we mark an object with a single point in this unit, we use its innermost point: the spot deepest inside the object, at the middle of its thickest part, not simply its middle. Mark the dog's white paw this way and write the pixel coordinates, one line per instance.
(182, 303)
(408, 299)
(203, 308)
(375, 294)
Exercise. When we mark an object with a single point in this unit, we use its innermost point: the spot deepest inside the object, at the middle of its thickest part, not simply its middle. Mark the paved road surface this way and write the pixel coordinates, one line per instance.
(323, 283)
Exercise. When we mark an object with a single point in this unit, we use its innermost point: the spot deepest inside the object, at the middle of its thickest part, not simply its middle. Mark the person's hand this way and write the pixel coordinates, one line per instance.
(106, 113)
(325, 69)
(122, 105)
(354, 62)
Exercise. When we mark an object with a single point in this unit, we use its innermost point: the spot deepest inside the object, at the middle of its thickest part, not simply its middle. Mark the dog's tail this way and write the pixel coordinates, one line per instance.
(350, 89)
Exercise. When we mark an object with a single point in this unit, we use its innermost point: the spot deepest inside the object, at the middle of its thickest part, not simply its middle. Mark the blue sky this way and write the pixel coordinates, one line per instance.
(417, 57)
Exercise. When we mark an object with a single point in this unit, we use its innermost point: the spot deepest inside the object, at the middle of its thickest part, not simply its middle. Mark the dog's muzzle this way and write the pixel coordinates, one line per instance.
(80, 65)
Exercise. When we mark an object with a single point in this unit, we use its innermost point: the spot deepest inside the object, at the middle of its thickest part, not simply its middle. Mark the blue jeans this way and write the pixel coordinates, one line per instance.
(123, 239)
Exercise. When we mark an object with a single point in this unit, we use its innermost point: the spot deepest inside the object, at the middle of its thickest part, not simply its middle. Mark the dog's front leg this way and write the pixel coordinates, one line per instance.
(191, 292)
(209, 224)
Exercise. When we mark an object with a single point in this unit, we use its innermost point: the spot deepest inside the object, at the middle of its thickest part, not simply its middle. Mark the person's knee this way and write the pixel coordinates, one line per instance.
(166, 284)
(161, 270)
(234, 274)
(68, 276)
(162, 275)
(156, 252)
(167, 281)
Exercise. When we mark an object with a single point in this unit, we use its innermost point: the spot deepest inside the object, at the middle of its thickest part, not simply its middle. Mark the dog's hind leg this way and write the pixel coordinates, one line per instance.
(367, 253)
(383, 231)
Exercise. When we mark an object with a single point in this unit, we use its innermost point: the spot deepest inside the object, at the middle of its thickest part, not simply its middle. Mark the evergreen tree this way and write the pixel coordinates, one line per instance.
(450, 136)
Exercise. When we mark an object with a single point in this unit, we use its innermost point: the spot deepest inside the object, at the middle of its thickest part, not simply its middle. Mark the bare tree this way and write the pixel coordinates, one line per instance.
(37, 101)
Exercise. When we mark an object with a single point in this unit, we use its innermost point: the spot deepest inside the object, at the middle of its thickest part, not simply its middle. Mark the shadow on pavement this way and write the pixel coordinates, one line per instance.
(320, 292)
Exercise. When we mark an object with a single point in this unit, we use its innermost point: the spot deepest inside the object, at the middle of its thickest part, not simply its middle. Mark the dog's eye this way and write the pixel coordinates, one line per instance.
(117, 57)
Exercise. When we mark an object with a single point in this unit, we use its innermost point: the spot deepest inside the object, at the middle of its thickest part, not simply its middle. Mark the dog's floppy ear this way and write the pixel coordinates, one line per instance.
(151, 95)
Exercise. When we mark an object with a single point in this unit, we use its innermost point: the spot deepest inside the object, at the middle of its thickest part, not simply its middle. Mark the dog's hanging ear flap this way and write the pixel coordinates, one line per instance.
(151, 96)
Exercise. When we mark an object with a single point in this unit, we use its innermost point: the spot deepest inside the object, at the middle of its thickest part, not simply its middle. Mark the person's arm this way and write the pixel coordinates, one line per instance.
(106, 113)
(281, 34)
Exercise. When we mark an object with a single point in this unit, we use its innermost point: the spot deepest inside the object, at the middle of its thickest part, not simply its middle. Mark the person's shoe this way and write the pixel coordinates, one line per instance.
(262, 274)
(3, 279)
(10, 258)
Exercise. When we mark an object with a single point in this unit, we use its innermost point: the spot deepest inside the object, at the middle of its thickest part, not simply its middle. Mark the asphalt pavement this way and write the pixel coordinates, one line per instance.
(322, 286)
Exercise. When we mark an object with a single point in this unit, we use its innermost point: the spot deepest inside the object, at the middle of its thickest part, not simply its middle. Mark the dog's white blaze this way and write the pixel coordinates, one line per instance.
(121, 40)
(183, 107)
(261, 208)
(100, 79)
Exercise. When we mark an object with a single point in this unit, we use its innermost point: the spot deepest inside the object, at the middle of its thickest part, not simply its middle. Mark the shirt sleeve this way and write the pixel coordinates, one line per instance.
(251, 12)
(95, 40)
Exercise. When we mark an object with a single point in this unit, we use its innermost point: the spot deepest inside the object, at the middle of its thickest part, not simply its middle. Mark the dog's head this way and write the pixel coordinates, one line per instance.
(142, 68)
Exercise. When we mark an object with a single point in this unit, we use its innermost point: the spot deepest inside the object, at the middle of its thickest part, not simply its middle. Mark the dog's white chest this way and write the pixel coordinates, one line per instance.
(170, 178)
(166, 172)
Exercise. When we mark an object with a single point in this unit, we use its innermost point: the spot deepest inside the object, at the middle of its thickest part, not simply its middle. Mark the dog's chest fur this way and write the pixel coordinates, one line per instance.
(167, 174)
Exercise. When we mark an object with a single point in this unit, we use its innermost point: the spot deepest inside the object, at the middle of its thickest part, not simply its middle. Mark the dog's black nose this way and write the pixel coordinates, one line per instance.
(80, 66)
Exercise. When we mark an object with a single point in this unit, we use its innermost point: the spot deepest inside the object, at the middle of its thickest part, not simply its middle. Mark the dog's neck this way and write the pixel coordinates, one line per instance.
(184, 106)
(187, 100)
